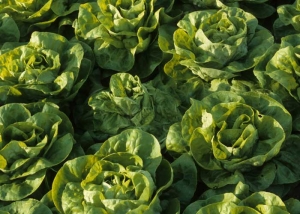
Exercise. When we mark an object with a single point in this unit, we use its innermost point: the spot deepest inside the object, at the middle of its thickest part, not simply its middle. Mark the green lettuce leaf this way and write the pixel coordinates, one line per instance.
(9, 31)
(27, 206)
(29, 14)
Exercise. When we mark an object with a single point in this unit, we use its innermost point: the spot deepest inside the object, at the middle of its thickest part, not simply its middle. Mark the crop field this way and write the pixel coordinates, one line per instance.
(149, 106)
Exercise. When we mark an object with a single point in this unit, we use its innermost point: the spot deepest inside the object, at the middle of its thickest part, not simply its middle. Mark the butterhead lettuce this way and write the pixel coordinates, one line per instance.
(122, 33)
(33, 138)
(232, 137)
(259, 8)
(47, 67)
(129, 103)
(239, 201)
(213, 44)
(288, 20)
(29, 14)
(126, 175)
(278, 71)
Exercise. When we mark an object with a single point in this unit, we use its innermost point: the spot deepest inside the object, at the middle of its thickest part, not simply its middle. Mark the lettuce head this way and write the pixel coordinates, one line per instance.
(34, 137)
(126, 175)
(278, 71)
(288, 20)
(122, 33)
(233, 137)
(48, 67)
(259, 8)
(213, 44)
(238, 201)
(129, 103)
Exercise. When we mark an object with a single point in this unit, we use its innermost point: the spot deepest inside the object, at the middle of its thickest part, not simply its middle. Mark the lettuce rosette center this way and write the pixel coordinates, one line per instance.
(40, 67)
(240, 138)
(127, 16)
(222, 28)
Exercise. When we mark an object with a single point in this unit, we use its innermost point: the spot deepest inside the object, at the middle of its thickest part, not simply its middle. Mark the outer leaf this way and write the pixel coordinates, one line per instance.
(185, 180)
(29, 206)
(9, 31)
(287, 169)
(292, 205)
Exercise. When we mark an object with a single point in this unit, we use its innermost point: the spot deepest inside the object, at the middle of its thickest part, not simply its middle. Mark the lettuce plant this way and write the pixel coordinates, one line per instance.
(33, 138)
(126, 175)
(29, 14)
(288, 20)
(232, 137)
(47, 67)
(128, 103)
(278, 71)
(121, 32)
(213, 44)
(42, 15)
(240, 200)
